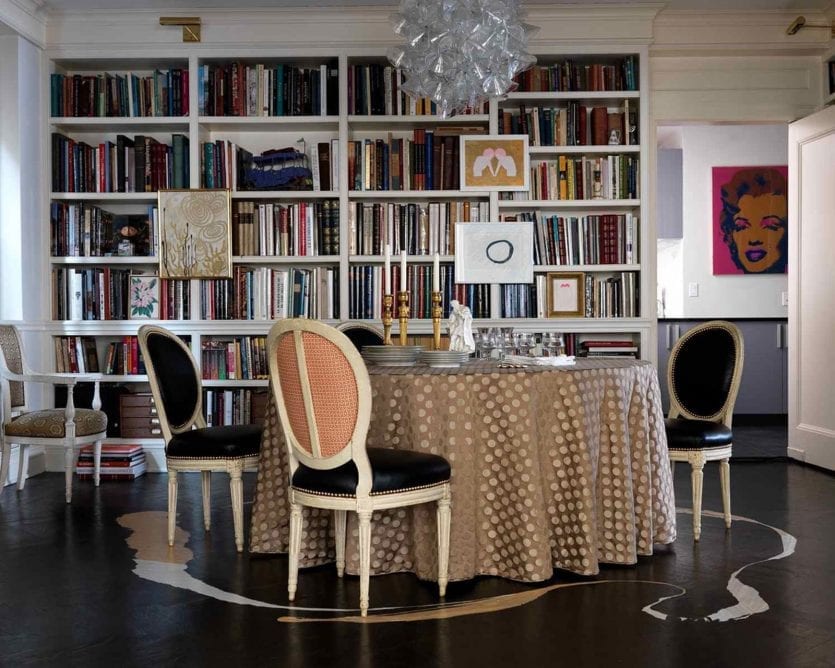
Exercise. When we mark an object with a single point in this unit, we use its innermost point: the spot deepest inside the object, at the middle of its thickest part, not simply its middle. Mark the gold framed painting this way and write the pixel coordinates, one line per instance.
(494, 162)
(195, 234)
(566, 294)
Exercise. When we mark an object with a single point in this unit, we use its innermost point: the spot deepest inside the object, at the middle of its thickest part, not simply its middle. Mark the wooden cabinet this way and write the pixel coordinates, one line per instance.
(764, 386)
(139, 416)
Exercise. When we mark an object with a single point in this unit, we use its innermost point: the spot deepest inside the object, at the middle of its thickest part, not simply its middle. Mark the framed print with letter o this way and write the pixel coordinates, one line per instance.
(565, 294)
(195, 234)
(494, 162)
(494, 252)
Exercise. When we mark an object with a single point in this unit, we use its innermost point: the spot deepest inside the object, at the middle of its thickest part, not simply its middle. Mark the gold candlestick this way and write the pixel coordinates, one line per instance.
(436, 320)
(403, 312)
(388, 301)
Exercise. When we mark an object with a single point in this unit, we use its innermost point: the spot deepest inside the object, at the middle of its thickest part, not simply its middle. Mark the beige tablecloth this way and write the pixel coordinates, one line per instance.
(551, 467)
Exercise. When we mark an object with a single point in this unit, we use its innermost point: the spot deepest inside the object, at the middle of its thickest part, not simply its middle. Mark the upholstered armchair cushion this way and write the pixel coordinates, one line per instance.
(227, 442)
(49, 423)
(696, 434)
(391, 470)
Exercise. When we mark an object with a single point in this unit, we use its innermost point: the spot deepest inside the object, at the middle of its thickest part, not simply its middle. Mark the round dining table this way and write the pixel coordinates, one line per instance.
(552, 467)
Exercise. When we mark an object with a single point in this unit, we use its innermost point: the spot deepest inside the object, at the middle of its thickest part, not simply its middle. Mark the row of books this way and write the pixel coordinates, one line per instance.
(572, 125)
(117, 462)
(138, 164)
(569, 75)
(237, 358)
(162, 93)
(80, 229)
(76, 354)
(604, 297)
(607, 348)
(584, 177)
(375, 89)
(244, 89)
(103, 293)
(419, 229)
(230, 407)
(265, 293)
(123, 358)
(593, 239)
(303, 229)
(427, 161)
(366, 289)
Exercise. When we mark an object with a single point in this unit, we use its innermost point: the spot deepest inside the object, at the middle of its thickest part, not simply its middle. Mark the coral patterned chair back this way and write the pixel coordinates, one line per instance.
(322, 392)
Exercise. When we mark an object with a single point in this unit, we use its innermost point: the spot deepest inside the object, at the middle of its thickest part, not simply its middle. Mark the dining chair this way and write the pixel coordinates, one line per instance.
(361, 333)
(703, 376)
(323, 397)
(189, 444)
(68, 427)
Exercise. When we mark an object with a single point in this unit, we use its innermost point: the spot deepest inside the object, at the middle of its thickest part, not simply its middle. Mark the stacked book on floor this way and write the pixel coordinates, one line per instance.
(118, 462)
(608, 348)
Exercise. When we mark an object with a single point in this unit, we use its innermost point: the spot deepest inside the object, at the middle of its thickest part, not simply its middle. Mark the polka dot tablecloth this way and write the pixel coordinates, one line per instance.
(551, 468)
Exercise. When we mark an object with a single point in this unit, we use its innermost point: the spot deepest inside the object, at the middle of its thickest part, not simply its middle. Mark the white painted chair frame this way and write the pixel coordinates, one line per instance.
(699, 456)
(363, 503)
(234, 467)
(70, 442)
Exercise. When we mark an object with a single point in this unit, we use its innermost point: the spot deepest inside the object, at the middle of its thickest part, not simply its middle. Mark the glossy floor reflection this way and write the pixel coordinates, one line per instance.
(68, 593)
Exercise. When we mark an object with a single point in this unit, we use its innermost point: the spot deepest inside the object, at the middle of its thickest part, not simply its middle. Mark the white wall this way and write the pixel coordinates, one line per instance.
(707, 146)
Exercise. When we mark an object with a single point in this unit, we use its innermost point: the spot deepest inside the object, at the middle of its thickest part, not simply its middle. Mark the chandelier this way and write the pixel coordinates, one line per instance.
(459, 53)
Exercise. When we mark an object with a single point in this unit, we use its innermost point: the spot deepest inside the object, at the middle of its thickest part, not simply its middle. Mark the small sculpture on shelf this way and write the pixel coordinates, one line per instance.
(461, 328)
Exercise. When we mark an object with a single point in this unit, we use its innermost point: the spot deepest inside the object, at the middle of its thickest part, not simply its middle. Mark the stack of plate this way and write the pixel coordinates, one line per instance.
(444, 358)
(392, 355)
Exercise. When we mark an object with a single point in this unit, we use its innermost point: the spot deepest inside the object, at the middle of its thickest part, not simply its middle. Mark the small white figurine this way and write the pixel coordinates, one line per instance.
(461, 328)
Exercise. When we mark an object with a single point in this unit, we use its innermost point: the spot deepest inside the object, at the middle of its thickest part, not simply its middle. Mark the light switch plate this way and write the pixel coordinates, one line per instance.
(692, 289)
(784, 298)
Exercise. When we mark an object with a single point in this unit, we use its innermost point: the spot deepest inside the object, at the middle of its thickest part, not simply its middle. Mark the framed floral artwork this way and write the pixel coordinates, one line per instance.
(494, 162)
(195, 234)
(143, 302)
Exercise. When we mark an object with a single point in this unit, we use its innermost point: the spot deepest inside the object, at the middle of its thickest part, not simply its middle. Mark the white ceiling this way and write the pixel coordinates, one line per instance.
(70, 5)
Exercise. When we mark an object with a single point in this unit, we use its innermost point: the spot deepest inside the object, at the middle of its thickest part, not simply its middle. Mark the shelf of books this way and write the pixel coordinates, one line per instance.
(327, 162)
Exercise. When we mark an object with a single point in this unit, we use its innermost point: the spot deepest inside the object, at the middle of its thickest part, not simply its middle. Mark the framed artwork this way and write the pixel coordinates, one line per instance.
(143, 302)
(565, 294)
(195, 234)
(494, 252)
(494, 162)
(750, 220)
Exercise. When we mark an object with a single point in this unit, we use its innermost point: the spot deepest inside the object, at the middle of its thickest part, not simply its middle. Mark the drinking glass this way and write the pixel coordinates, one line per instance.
(552, 344)
(524, 343)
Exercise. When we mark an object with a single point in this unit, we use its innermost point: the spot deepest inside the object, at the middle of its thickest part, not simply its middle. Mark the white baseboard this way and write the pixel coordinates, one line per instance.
(37, 464)
(796, 453)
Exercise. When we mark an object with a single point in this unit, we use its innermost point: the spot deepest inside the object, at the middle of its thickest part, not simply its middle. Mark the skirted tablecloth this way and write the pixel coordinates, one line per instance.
(560, 467)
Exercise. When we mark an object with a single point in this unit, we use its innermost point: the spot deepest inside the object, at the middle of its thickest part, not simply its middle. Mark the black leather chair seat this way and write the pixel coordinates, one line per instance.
(696, 434)
(392, 471)
(225, 442)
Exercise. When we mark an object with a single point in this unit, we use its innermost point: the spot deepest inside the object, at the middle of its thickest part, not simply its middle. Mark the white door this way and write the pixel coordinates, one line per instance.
(812, 289)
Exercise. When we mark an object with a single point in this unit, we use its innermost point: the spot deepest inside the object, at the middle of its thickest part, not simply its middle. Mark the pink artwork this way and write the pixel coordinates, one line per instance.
(750, 220)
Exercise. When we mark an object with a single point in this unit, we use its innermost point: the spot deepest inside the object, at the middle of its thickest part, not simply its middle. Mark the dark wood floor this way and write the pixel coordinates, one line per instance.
(68, 595)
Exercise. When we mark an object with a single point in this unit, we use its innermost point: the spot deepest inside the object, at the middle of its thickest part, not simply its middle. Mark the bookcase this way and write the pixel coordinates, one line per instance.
(385, 170)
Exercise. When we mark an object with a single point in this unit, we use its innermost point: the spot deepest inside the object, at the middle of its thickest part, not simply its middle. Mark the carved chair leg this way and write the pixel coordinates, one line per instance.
(5, 456)
(236, 486)
(172, 505)
(340, 520)
(365, 558)
(725, 480)
(295, 544)
(97, 463)
(22, 466)
(443, 518)
(696, 478)
(206, 479)
(69, 459)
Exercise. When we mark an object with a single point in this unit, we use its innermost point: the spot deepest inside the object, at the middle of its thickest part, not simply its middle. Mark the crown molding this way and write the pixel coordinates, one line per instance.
(727, 32)
(345, 28)
(26, 17)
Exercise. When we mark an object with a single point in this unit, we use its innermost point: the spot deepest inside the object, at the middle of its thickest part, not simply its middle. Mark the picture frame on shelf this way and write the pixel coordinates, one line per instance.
(494, 162)
(143, 303)
(494, 252)
(565, 292)
(195, 233)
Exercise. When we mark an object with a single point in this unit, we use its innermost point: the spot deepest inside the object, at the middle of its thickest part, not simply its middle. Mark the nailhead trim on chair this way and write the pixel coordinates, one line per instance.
(393, 491)
(191, 459)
